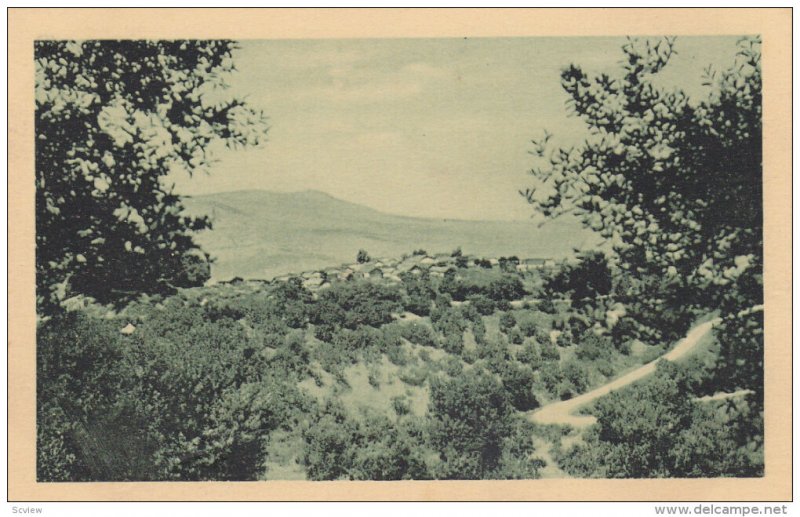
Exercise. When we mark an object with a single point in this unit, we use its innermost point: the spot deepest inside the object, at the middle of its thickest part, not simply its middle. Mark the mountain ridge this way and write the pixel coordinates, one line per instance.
(262, 234)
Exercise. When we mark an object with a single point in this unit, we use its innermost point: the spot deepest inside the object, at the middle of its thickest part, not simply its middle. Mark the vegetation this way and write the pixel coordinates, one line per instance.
(426, 374)
(657, 430)
(112, 119)
(653, 176)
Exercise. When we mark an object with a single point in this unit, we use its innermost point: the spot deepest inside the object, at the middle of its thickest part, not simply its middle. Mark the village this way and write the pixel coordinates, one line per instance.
(390, 270)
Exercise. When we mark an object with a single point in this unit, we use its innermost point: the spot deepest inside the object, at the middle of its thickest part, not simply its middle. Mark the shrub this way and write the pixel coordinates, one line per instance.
(506, 287)
(495, 353)
(530, 356)
(507, 322)
(549, 353)
(419, 293)
(401, 405)
(516, 337)
(453, 343)
(413, 375)
(518, 383)
(362, 257)
(469, 355)
(551, 376)
(181, 398)
(361, 343)
(292, 356)
(418, 333)
(576, 374)
(289, 301)
(453, 366)
(527, 325)
(471, 422)
(352, 304)
(337, 446)
(592, 347)
(655, 429)
(547, 306)
(398, 355)
(483, 304)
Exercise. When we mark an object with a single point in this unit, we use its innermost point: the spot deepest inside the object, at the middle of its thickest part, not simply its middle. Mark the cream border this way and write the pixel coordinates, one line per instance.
(27, 24)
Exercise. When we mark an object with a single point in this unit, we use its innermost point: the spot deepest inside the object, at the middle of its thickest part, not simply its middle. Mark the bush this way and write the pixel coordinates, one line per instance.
(401, 405)
(413, 375)
(292, 356)
(549, 353)
(453, 343)
(527, 325)
(362, 257)
(452, 366)
(483, 304)
(551, 376)
(505, 288)
(592, 347)
(353, 304)
(469, 355)
(337, 446)
(419, 293)
(471, 426)
(288, 302)
(655, 429)
(530, 356)
(398, 355)
(507, 322)
(547, 306)
(518, 383)
(183, 398)
(418, 333)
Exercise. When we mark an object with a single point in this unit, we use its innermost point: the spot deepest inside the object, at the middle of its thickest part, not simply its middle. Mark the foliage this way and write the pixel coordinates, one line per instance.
(182, 398)
(351, 304)
(419, 294)
(655, 429)
(362, 257)
(483, 304)
(338, 446)
(113, 118)
(584, 280)
(450, 322)
(654, 176)
(417, 333)
(507, 322)
(470, 424)
(518, 383)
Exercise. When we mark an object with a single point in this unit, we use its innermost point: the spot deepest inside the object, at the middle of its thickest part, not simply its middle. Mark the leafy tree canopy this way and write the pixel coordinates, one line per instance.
(675, 185)
(113, 119)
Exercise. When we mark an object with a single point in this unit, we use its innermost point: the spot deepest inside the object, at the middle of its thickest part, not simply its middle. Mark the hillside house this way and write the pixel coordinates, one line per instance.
(530, 264)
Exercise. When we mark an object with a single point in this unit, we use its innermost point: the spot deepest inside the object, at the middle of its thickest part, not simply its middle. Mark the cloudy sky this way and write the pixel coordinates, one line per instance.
(423, 127)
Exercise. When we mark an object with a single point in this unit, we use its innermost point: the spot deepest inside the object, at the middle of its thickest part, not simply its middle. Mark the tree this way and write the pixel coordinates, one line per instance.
(675, 185)
(655, 429)
(585, 280)
(470, 416)
(362, 257)
(113, 119)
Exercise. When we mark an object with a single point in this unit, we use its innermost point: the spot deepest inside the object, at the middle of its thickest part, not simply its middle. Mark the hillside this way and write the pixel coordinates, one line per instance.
(259, 234)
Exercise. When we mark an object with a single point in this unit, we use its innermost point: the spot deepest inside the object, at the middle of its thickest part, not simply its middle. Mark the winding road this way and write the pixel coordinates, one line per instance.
(563, 413)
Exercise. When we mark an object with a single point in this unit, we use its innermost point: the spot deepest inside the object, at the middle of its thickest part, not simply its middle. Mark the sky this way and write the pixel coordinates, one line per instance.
(436, 128)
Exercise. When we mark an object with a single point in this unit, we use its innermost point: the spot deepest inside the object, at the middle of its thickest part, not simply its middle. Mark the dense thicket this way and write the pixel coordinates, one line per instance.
(657, 429)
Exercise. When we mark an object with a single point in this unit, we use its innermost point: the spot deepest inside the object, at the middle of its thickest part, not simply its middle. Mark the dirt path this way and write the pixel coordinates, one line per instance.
(563, 413)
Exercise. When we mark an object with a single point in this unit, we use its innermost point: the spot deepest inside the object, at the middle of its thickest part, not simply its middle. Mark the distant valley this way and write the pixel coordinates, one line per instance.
(260, 234)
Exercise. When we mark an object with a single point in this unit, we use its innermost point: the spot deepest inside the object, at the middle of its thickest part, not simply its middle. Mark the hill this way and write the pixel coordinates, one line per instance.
(259, 234)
